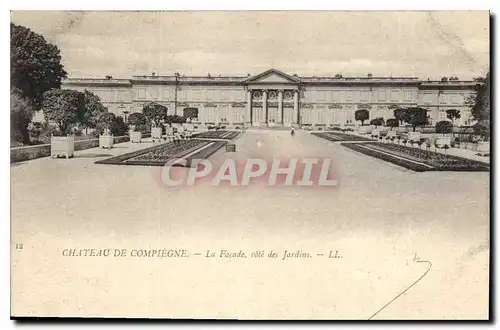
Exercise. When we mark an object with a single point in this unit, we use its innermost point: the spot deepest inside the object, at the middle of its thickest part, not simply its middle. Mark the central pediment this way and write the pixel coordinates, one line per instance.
(273, 76)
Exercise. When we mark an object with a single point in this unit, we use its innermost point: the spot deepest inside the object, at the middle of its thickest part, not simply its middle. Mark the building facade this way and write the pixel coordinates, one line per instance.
(274, 98)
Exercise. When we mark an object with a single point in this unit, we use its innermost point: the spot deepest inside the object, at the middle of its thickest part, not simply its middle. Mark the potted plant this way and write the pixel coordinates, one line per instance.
(156, 132)
(414, 136)
(63, 146)
(106, 139)
(135, 137)
(483, 148)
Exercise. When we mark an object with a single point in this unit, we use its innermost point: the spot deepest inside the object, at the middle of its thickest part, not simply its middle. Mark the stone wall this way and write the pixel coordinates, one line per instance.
(25, 153)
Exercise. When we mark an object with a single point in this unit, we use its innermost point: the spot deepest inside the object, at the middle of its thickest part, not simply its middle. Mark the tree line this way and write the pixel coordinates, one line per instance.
(479, 103)
(36, 76)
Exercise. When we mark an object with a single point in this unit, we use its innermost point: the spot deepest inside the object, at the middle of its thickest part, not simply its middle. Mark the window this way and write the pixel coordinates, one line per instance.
(223, 95)
(394, 96)
(407, 96)
(153, 94)
(142, 94)
(350, 96)
(335, 96)
(122, 96)
(166, 94)
(381, 95)
(197, 94)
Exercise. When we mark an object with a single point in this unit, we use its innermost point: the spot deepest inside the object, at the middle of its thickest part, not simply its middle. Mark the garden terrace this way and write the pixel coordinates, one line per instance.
(220, 134)
(417, 159)
(161, 154)
(340, 137)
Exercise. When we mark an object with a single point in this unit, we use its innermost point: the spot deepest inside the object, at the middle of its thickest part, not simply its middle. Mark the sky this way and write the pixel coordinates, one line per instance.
(309, 43)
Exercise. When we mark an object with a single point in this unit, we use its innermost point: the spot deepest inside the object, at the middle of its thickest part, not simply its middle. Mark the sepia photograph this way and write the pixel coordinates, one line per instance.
(250, 165)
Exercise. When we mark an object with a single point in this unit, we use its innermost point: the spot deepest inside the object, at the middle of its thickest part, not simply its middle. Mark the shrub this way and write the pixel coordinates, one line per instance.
(444, 127)
(377, 122)
(118, 126)
(44, 131)
(143, 128)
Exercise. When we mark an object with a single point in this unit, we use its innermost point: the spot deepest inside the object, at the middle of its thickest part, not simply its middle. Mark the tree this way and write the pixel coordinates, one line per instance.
(118, 126)
(444, 79)
(155, 113)
(377, 122)
(35, 64)
(400, 114)
(105, 122)
(392, 122)
(416, 117)
(479, 103)
(190, 113)
(136, 118)
(453, 114)
(362, 115)
(63, 107)
(93, 110)
(21, 113)
(483, 129)
(175, 119)
(444, 127)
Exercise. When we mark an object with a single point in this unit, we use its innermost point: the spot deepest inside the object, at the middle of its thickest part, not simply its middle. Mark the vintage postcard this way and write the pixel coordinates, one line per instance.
(250, 165)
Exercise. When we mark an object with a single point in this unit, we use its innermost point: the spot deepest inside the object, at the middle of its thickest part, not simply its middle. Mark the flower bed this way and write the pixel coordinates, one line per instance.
(338, 137)
(417, 159)
(206, 152)
(159, 155)
(217, 135)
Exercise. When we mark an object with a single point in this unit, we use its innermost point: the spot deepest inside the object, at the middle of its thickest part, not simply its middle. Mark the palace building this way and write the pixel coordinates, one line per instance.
(274, 98)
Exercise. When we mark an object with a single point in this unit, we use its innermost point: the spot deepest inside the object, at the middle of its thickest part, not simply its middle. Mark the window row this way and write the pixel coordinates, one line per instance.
(360, 96)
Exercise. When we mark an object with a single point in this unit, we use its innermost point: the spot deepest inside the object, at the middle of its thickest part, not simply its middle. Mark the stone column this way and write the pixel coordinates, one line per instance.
(280, 105)
(296, 113)
(248, 114)
(264, 104)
